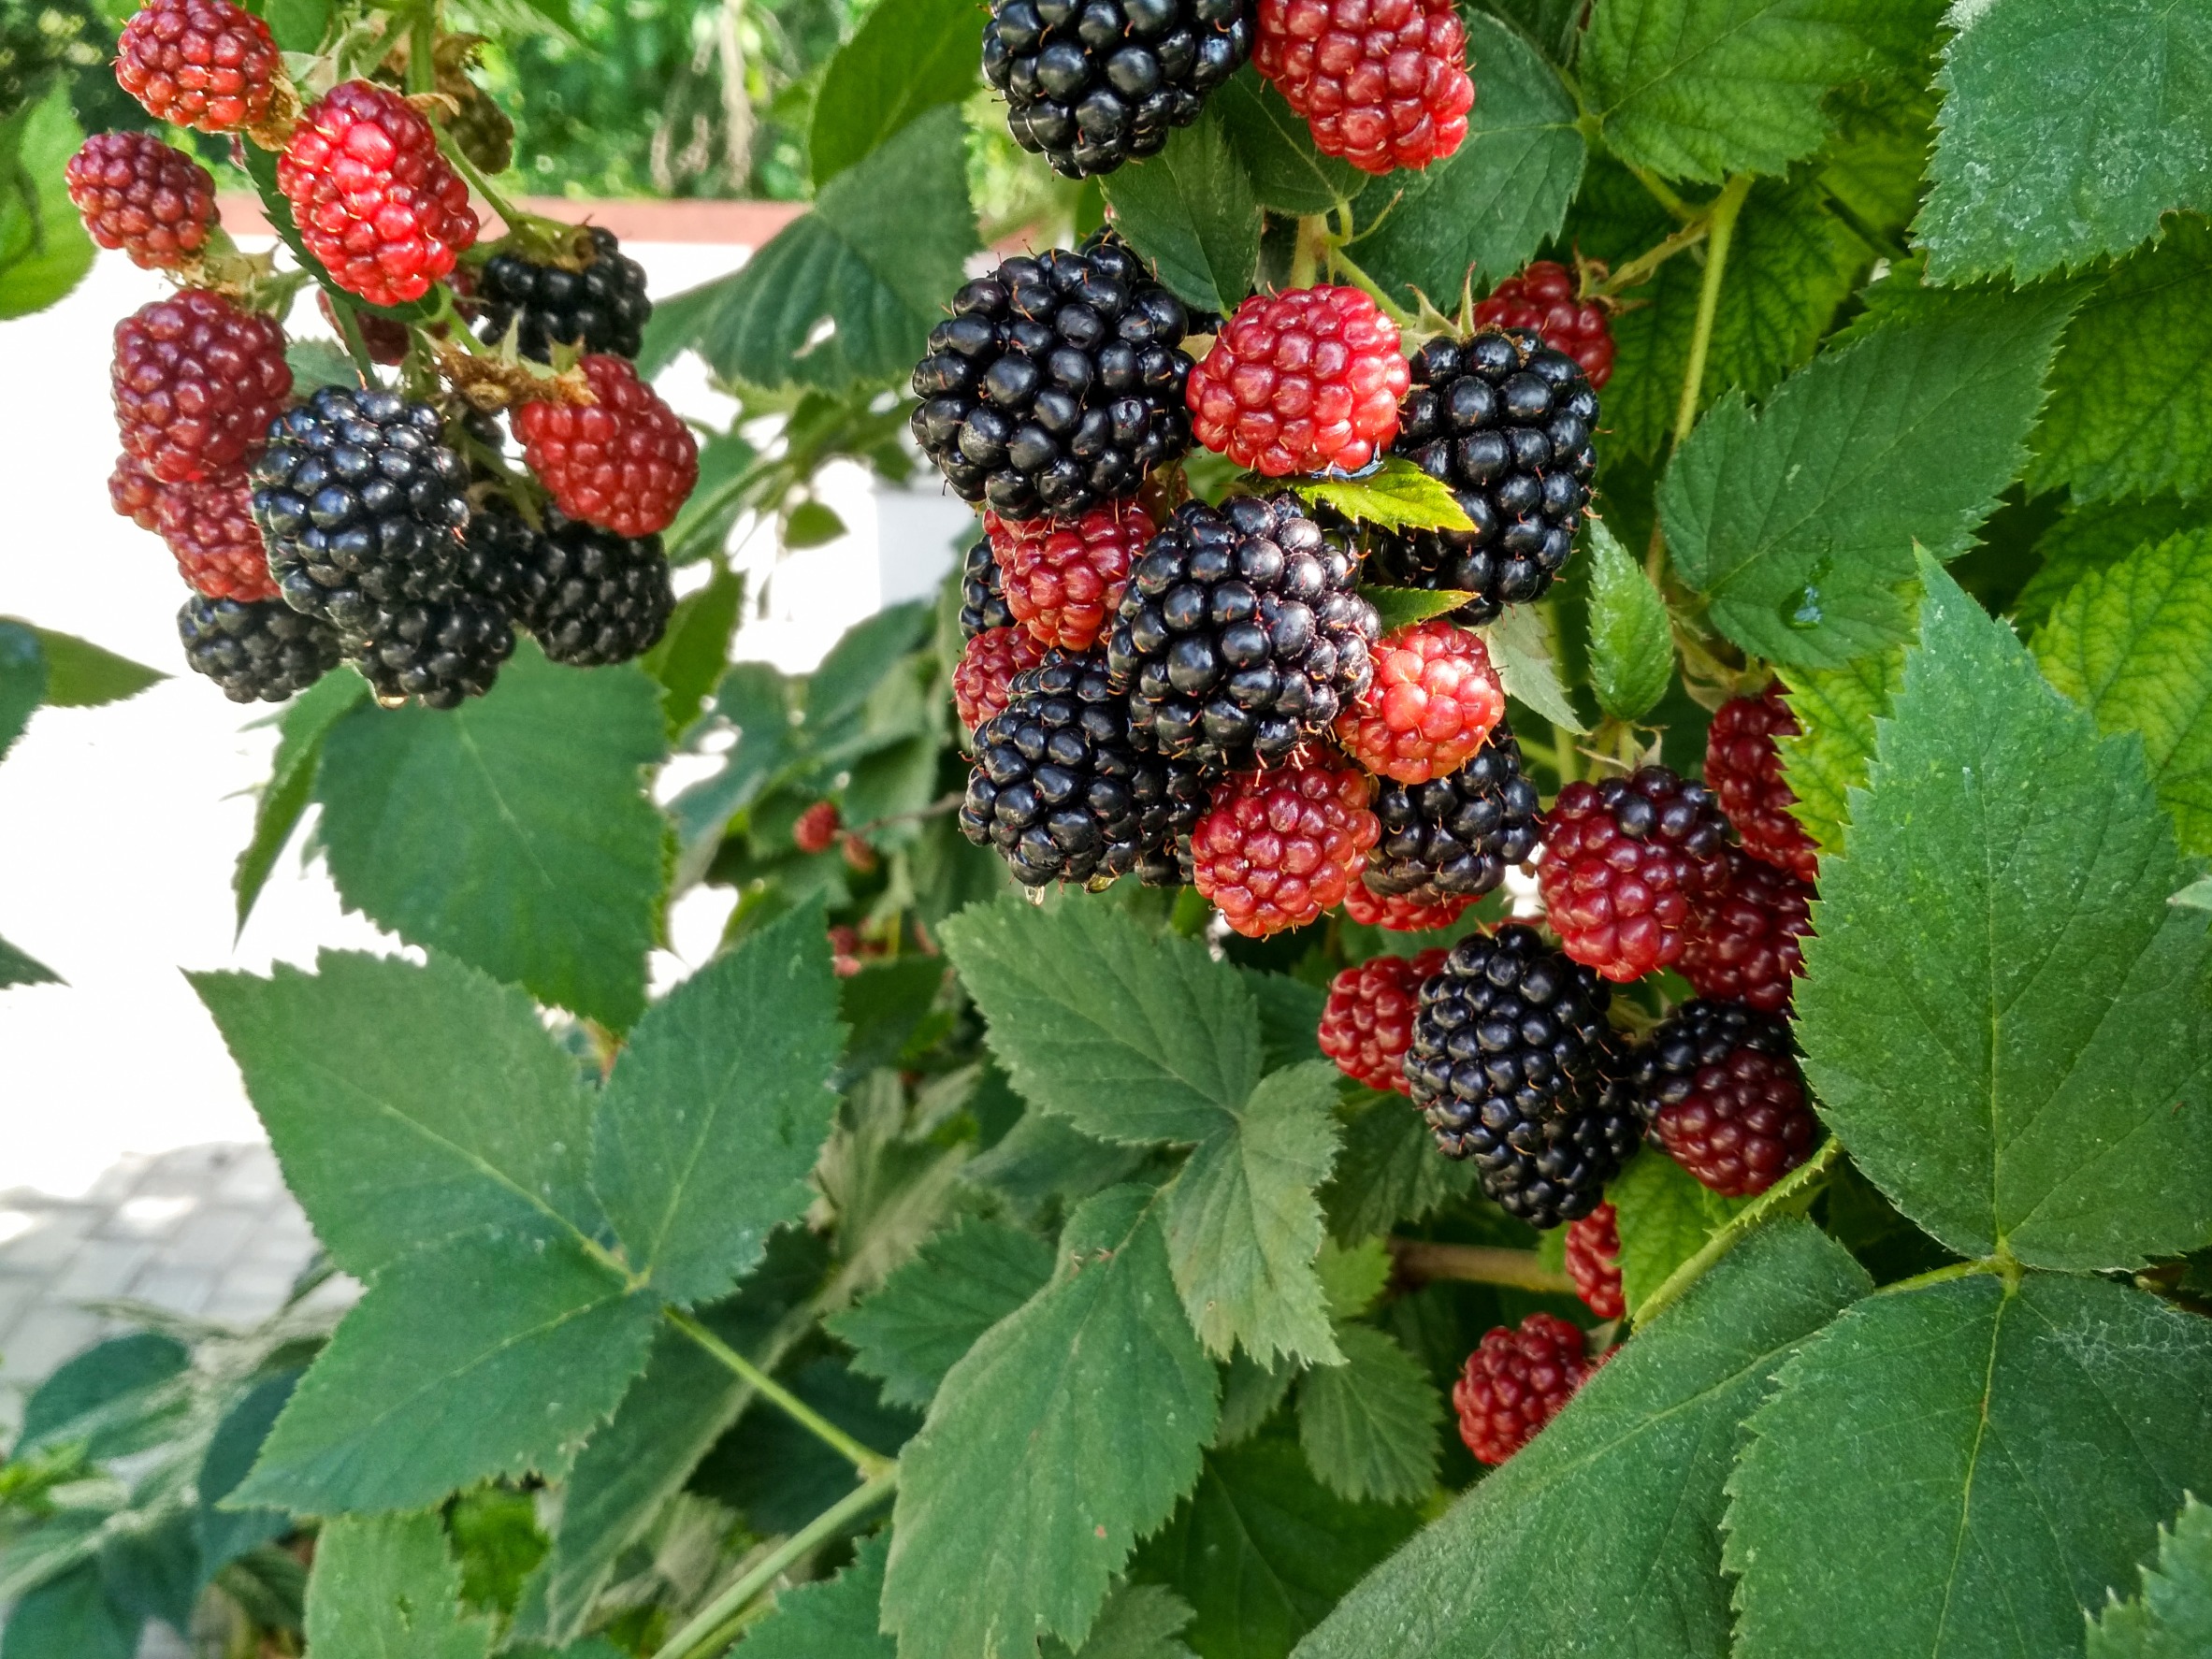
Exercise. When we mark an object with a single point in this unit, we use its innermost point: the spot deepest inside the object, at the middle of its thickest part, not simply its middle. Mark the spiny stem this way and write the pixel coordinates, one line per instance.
(1806, 1178)
(1420, 1258)
(1720, 232)
(515, 217)
(1942, 1276)
(705, 1635)
(870, 1465)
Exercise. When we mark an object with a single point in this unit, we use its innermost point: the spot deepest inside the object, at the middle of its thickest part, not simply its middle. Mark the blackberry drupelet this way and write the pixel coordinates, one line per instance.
(1090, 84)
(1455, 837)
(1164, 858)
(1241, 633)
(362, 506)
(1057, 383)
(1719, 1085)
(1506, 422)
(602, 306)
(595, 597)
(256, 650)
(982, 592)
(1514, 1066)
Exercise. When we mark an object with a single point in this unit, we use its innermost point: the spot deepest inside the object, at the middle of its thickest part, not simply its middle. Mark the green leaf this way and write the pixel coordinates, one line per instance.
(318, 363)
(1397, 496)
(1402, 607)
(514, 832)
(1290, 1017)
(1609, 1520)
(718, 1108)
(1132, 1038)
(1352, 1276)
(1262, 1550)
(1288, 173)
(437, 1377)
(934, 1308)
(82, 676)
(777, 1474)
(1250, 1394)
(2101, 439)
(1798, 520)
(150, 1565)
(44, 249)
(2132, 644)
(689, 659)
(830, 1617)
(1369, 1425)
(22, 679)
(408, 1105)
(1390, 1170)
(2002, 1016)
(1665, 1215)
(876, 258)
(1988, 1461)
(1243, 1224)
(906, 57)
(16, 968)
(1631, 640)
(1701, 89)
(1495, 201)
(1519, 647)
(1044, 1163)
(1836, 710)
(306, 723)
(117, 1397)
(224, 1535)
(1191, 212)
(757, 700)
(865, 655)
(2068, 128)
(1065, 1434)
(2172, 1618)
(2084, 539)
(71, 1614)
(1138, 1622)
(387, 1588)
(812, 524)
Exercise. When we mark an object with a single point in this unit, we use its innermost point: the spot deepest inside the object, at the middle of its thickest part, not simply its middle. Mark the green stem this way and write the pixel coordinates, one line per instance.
(1720, 232)
(870, 1465)
(1640, 269)
(1367, 285)
(422, 49)
(514, 216)
(1944, 1275)
(1313, 238)
(698, 1639)
(1479, 1264)
(1663, 195)
(1803, 1179)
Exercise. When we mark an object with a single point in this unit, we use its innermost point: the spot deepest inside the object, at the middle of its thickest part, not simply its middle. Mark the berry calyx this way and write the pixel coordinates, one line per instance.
(1300, 382)
(1743, 769)
(209, 527)
(196, 381)
(1065, 583)
(1627, 866)
(1546, 299)
(1432, 703)
(1366, 1025)
(1594, 1263)
(1724, 1096)
(1280, 849)
(137, 193)
(815, 831)
(1516, 1382)
(1401, 913)
(1383, 83)
(204, 63)
(374, 200)
(1744, 947)
(623, 462)
(1453, 838)
(982, 679)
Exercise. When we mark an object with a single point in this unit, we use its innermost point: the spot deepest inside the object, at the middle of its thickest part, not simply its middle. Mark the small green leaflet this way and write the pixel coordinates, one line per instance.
(225, 1534)
(1191, 212)
(1353, 1276)
(1290, 1017)
(829, 1618)
(17, 968)
(388, 1587)
(1402, 607)
(22, 679)
(688, 660)
(907, 56)
(2085, 538)
(932, 1310)
(44, 249)
(1836, 709)
(2001, 1015)
(82, 676)
(117, 1397)
(1369, 1425)
(1665, 1215)
(1989, 1460)
(1397, 496)
(71, 1614)
(305, 722)
(1520, 646)
(1631, 640)
(2172, 1618)
(1138, 1622)
(1288, 173)
(1389, 1172)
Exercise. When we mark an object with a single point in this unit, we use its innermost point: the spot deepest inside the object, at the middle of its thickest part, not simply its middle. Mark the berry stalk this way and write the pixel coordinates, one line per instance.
(1720, 232)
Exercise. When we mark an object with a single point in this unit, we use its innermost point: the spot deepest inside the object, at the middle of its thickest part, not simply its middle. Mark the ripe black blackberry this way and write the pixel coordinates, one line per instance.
(1184, 791)
(1455, 837)
(982, 592)
(1057, 382)
(362, 506)
(603, 305)
(438, 652)
(256, 650)
(1514, 1066)
(1506, 422)
(1241, 633)
(1057, 786)
(1090, 84)
(595, 597)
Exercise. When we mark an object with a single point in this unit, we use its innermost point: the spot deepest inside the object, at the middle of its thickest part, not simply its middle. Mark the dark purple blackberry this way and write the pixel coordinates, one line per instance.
(1513, 1065)
(1506, 422)
(362, 506)
(1698, 1033)
(437, 650)
(1718, 1083)
(1057, 382)
(1455, 837)
(258, 650)
(1240, 633)
(603, 306)
(597, 596)
(1186, 790)
(982, 592)
(1090, 84)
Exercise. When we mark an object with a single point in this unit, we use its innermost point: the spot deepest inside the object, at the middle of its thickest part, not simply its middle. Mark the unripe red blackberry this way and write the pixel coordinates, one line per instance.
(1545, 299)
(204, 63)
(1277, 849)
(1057, 382)
(603, 306)
(134, 492)
(1241, 633)
(1366, 1025)
(1383, 83)
(594, 596)
(262, 651)
(1453, 838)
(982, 592)
(1065, 583)
(1300, 382)
(137, 193)
(1594, 1263)
(209, 527)
(1627, 866)
(625, 462)
(1721, 1088)
(374, 200)
(982, 678)
(1432, 703)
(1515, 1382)
(1744, 947)
(1505, 423)
(1743, 769)
(197, 382)
(815, 831)
(1091, 86)
(1400, 913)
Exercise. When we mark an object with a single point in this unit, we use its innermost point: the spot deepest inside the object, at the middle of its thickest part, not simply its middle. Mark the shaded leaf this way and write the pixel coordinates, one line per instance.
(226, 1535)
(907, 56)
(1519, 647)
(689, 658)
(1665, 1215)
(44, 249)
(306, 721)
(1290, 1017)
(932, 1310)
(117, 1396)
(70, 1614)
(1631, 640)
(1191, 212)
(16, 968)
(1288, 173)
(1138, 1622)
(1402, 607)
(2172, 1618)
(1390, 1170)
(388, 1588)
(830, 1617)
(1369, 1425)
(22, 679)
